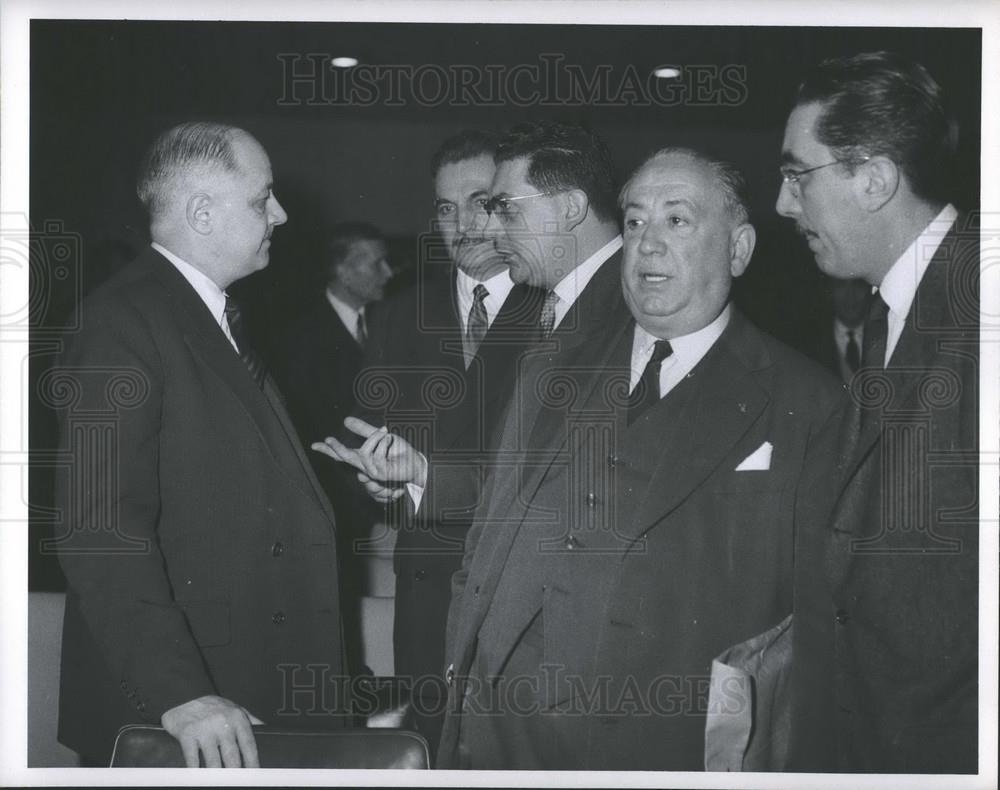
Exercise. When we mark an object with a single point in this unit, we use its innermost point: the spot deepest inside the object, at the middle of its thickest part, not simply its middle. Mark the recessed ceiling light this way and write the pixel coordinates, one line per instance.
(344, 62)
(667, 72)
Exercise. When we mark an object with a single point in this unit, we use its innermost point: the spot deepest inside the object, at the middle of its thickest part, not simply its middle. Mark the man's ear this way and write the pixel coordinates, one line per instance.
(878, 183)
(742, 240)
(577, 206)
(198, 213)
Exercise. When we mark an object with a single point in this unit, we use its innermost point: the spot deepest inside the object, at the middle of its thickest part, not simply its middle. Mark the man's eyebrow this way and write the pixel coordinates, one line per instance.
(788, 158)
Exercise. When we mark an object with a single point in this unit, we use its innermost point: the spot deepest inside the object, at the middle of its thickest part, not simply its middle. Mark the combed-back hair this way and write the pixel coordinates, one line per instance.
(880, 103)
(339, 240)
(467, 144)
(564, 157)
(730, 178)
(176, 150)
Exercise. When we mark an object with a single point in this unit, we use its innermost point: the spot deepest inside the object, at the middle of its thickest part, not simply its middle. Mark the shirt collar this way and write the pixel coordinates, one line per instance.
(210, 293)
(687, 349)
(499, 286)
(348, 315)
(570, 286)
(899, 285)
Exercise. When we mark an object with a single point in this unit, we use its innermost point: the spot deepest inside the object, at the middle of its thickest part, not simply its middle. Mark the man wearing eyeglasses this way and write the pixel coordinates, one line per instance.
(637, 519)
(447, 349)
(553, 219)
(886, 601)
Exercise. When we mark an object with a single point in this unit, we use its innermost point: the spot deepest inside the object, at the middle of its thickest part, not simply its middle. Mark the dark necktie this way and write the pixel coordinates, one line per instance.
(647, 390)
(477, 325)
(876, 332)
(872, 357)
(360, 333)
(852, 354)
(247, 353)
(547, 318)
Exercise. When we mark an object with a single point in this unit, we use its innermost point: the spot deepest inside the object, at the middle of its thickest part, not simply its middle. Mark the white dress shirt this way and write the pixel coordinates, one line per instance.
(499, 287)
(571, 286)
(899, 286)
(688, 351)
(210, 293)
(348, 315)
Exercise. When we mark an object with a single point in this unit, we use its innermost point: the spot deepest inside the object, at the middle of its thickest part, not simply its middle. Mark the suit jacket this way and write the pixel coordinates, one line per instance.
(886, 646)
(609, 564)
(415, 381)
(198, 547)
(316, 362)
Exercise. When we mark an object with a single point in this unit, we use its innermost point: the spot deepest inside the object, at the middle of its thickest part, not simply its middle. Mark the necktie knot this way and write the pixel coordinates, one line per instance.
(480, 293)
(647, 389)
(661, 350)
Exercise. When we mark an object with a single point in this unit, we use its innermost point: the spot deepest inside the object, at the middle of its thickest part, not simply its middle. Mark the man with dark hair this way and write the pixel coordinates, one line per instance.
(316, 362)
(199, 548)
(886, 654)
(447, 351)
(637, 516)
(554, 220)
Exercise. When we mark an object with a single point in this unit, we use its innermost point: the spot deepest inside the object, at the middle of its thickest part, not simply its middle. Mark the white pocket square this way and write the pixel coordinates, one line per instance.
(759, 459)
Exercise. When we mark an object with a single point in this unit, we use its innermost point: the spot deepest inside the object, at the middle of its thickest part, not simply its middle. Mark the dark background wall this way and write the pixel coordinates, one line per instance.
(100, 91)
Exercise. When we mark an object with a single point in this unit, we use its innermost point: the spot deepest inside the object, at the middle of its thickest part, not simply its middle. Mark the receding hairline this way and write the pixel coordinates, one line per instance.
(717, 171)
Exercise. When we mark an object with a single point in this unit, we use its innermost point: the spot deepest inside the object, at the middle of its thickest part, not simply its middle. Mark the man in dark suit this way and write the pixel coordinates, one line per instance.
(886, 652)
(321, 353)
(553, 221)
(637, 518)
(199, 548)
(447, 350)
(316, 362)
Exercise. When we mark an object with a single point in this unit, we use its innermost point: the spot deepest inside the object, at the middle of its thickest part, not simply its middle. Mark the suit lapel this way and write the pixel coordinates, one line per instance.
(489, 378)
(912, 359)
(706, 415)
(207, 341)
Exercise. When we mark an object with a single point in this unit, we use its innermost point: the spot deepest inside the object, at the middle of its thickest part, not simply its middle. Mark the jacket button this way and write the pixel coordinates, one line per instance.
(449, 675)
(591, 499)
(124, 685)
(278, 618)
(277, 549)
(141, 707)
(420, 575)
(572, 543)
(612, 461)
(842, 616)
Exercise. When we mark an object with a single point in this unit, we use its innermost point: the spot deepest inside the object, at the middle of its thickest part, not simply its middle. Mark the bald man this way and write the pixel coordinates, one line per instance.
(198, 547)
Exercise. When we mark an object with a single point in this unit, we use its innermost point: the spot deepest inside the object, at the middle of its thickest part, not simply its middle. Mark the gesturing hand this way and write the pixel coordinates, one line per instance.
(385, 461)
(217, 728)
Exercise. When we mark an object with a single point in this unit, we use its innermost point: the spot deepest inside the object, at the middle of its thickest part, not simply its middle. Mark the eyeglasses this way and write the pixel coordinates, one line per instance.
(501, 205)
(791, 176)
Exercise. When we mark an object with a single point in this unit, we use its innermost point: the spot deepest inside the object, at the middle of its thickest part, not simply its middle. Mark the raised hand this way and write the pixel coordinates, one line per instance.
(385, 461)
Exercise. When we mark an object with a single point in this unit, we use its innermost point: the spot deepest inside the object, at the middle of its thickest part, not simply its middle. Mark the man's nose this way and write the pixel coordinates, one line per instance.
(277, 213)
(787, 204)
(493, 226)
(651, 242)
